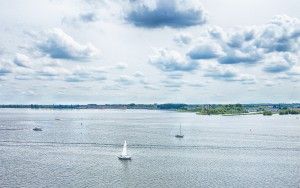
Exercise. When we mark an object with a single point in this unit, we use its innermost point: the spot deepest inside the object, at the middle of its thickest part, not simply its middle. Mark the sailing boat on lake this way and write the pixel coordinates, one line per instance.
(124, 155)
(179, 135)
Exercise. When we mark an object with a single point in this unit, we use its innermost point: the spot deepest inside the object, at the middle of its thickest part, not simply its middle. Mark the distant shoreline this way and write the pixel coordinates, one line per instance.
(164, 106)
(200, 109)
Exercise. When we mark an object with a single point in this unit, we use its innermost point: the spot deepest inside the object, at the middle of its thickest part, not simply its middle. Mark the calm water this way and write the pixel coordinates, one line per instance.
(217, 151)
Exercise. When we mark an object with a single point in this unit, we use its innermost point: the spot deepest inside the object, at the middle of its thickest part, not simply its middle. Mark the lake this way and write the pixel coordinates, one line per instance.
(78, 148)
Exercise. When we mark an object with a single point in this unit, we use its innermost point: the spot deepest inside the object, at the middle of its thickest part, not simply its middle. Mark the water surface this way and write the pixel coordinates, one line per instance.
(79, 149)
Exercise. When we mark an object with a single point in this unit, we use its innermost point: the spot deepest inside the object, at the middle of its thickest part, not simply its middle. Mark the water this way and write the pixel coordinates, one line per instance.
(216, 151)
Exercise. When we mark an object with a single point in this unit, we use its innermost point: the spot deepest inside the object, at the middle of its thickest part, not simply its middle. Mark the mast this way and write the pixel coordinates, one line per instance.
(180, 129)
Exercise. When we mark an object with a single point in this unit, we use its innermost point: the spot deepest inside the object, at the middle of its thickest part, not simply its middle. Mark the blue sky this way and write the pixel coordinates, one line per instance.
(123, 51)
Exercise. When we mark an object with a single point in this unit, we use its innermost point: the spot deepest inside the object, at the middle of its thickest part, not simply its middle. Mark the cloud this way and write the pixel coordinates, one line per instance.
(279, 63)
(112, 87)
(206, 50)
(162, 13)
(24, 74)
(228, 74)
(227, 47)
(1, 50)
(53, 72)
(174, 75)
(173, 83)
(171, 61)
(196, 85)
(22, 60)
(23, 77)
(251, 45)
(151, 87)
(138, 74)
(54, 63)
(246, 79)
(28, 93)
(125, 80)
(269, 83)
(281, 34)
(58, 45)
(183, 38)
(82, 74)
(237, 56)
(5, 69)
(88, 17)
(219, 73)
(217, 33)
(241, 36)
(121, 66)
(295, 71)
(144, 81)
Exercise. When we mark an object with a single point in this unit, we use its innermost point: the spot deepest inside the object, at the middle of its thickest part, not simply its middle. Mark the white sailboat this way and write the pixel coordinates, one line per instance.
(124, 155)
(179, 135)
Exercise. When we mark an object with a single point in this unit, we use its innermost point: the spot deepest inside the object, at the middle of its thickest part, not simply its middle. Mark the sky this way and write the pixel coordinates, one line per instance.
(149, 51)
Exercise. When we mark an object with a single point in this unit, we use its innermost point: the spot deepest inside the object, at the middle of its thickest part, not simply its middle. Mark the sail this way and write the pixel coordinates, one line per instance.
(180, 130)
(124, 152)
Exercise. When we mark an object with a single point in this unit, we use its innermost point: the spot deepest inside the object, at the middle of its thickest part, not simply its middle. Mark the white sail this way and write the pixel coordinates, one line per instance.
(124, 152)
(180, 129)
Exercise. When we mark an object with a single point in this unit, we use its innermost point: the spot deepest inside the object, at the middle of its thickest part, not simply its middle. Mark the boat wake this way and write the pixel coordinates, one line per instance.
(145, 146)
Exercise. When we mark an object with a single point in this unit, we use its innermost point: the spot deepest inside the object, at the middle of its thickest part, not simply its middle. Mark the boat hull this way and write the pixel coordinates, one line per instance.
(37, 129)
(179, 136)
(120, 157)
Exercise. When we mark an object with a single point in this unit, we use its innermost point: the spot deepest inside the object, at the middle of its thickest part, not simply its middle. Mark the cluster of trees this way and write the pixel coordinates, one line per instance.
(289, 111)
(171, 106)
(223, 109)
(38, 106)
(267, 113)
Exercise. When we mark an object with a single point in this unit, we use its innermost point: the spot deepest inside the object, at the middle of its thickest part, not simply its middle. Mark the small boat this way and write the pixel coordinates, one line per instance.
(37, 129)
(179, 135)
(124, 155)
(57, 119)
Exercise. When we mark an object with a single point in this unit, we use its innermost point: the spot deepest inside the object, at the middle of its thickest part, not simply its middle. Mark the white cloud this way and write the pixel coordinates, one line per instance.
(173, 83)
(53, 71)
(151, 87)
(276, 63)
(170, 61)
(82, 18)
(295, 71)
(251, 45)
(280, 35)
(196, 85)
(206, 50)
(22, 60)
(228, 73)
(162, 13)
(138, 74)
(58, 45)
(183, 38)
(81, 74)
(5, 68)
(243, 55)
(121, 66)
(269, 83)
(125, 80)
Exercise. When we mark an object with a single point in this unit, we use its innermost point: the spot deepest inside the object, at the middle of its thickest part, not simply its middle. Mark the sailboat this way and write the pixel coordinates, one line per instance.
(179, 135)
(37, 129)
(124, 155)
